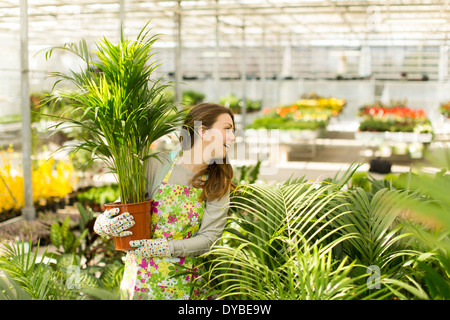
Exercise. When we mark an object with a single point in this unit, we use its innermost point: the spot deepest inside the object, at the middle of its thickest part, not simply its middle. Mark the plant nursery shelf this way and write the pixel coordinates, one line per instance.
(260, 141)
(393, 144)
(387, 136)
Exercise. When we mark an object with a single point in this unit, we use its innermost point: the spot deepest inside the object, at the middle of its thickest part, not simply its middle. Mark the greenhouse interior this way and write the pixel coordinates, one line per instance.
(341, 113)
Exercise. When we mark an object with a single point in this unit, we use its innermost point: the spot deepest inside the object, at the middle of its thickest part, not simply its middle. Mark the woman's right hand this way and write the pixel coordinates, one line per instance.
(108, 224)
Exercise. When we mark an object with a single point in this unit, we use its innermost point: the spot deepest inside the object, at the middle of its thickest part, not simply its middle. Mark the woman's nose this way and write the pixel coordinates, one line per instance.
(233, 135)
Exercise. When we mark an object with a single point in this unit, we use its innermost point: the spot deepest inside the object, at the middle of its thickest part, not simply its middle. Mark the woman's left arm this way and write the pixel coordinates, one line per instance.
(211, 229)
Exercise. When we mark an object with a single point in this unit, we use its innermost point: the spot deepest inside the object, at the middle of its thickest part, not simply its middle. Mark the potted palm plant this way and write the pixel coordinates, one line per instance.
(122, 111)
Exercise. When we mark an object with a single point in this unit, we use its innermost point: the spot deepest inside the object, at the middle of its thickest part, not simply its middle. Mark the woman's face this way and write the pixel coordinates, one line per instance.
(219, 139)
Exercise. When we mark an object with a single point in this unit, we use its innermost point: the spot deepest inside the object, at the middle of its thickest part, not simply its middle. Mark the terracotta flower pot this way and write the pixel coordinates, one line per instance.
(142, 213)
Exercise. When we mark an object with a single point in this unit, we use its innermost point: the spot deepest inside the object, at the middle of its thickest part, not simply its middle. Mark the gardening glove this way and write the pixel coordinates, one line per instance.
(107, 224)
(151, 248)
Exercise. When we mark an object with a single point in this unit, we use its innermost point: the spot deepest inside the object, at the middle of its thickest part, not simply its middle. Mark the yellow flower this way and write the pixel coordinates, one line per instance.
(46, 181)
(163, 267)
(178, 235)
(153, 270)
(193, 229)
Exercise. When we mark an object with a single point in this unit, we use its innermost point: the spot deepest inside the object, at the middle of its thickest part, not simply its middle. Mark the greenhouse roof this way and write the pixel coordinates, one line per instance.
(230, 22)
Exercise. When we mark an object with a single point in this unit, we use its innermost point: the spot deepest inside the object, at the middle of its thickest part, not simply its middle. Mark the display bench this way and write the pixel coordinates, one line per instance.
(295, 140)
(275, 145)
(410, 144)
(10, 133)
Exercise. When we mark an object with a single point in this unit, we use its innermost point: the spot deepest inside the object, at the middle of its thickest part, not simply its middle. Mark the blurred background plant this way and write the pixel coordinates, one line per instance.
(236, 104)
(52, 181)
(97, 197)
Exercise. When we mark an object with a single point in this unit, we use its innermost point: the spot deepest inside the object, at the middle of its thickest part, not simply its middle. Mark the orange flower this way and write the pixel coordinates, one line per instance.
(293, 108)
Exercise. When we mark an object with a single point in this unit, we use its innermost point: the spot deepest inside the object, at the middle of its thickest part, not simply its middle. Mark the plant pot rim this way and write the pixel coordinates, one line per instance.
(111, 204)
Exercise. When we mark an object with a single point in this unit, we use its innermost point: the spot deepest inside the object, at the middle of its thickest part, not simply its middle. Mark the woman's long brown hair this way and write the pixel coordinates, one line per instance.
(220, 175)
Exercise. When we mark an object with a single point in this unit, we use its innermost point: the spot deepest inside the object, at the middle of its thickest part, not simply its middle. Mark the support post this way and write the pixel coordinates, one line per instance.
(263, 68)
(178, 49)
(122, 18)
(217, 59)
(244, 77)
(28, 212)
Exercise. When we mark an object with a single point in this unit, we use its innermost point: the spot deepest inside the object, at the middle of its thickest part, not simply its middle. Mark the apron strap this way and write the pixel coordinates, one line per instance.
(174, 156)
(161, 175)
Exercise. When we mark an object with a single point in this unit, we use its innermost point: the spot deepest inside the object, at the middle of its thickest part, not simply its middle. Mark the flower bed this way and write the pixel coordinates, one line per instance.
(313, 101)
(394, 118)
(52, 181)
(304, 114)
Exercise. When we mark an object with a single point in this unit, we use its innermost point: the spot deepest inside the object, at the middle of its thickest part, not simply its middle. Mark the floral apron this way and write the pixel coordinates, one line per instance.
(177, 214)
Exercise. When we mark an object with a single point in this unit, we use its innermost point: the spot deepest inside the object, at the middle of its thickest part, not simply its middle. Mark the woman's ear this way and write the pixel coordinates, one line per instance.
(202, 131)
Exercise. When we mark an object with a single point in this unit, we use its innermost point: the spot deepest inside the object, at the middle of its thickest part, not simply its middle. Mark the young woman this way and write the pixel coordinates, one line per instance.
(190, 189)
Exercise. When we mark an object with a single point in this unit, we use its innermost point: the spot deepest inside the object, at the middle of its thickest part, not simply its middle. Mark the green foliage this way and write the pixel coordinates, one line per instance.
(230, 101)
(395, 126)
(11, 290)
(191, 98)
(236, 104)
(11, 118)
(360, 179)
(54, 276)
(281, 245)
(380, 240)
(112, 275)
(247, 174)
(297, 240)
(34, 277)
(86, 216)
(99, 195)
(286, 124)
(61, 235)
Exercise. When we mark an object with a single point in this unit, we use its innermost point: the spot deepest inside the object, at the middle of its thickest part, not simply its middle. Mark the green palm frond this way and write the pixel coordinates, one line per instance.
(35, 277)
(280, 239)
(112, 275)
(430, 225)
(11, 290)
(381, 239)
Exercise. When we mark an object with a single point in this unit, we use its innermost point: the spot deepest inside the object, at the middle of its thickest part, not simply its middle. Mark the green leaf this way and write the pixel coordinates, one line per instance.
(438, 284)
(65, 232)
(78, 240)
(83, 214)
(56, 235)
(68, 242)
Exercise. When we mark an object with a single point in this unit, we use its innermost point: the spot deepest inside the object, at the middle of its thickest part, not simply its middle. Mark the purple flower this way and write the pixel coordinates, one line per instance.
(172, 218)
(144, 264)
(155, 207)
